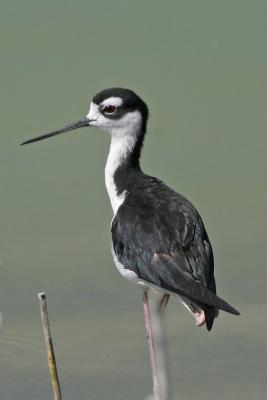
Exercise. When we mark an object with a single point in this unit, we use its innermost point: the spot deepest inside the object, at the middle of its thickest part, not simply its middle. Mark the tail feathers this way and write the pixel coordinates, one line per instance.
(210, 314)
(182, 283)
(223, 305)
(202, 294)
(207, 298)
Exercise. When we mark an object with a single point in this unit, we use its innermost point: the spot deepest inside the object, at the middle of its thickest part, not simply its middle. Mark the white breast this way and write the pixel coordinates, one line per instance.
(126, 273)
(132, 277)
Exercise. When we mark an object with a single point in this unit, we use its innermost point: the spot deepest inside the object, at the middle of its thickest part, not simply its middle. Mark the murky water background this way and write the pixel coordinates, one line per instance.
(201, 66)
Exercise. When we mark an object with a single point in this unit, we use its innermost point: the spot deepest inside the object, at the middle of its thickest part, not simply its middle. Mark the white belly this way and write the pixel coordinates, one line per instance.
(127, 273)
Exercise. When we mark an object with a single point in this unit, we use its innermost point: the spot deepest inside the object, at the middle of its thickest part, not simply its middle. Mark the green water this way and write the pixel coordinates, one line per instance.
(201, 67)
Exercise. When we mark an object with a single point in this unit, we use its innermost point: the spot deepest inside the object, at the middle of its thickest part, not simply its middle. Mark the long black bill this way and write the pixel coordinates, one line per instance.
(75, 125)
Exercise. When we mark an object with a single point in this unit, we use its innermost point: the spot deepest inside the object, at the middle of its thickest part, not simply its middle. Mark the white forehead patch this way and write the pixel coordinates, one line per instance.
(112, 101)
(94, 113)
(128, 124)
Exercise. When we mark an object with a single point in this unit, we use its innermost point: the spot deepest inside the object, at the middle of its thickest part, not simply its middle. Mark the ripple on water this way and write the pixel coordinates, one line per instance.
(23, 367)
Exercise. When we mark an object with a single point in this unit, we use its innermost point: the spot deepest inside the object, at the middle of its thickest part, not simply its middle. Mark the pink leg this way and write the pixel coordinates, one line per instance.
(151, 347)
(199, 316)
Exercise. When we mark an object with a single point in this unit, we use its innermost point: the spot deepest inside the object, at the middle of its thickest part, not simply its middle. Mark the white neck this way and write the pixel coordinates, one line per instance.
(124, 134)
(119, 148)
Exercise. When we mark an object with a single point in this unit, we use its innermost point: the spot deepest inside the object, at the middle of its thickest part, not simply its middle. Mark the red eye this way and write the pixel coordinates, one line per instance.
(110, 109)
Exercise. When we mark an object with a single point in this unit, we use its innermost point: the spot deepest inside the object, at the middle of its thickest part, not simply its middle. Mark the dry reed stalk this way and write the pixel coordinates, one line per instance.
(49, 347)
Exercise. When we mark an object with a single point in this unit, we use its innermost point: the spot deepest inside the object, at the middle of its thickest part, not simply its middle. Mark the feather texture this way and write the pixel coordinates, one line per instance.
(159, 235)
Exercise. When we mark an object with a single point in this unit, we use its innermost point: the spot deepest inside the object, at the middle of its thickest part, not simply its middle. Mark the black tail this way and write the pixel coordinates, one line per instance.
(208, 299)
(211, 303)
(183, 284)
(210, 314)
(223, 305)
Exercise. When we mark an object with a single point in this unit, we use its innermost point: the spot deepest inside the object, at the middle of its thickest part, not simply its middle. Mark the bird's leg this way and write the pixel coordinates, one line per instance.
(197, 312)
(199, 316)
(151, 347)
(164, 301)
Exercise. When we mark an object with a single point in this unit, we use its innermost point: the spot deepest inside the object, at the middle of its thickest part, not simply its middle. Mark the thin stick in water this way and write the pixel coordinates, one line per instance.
(49, 347)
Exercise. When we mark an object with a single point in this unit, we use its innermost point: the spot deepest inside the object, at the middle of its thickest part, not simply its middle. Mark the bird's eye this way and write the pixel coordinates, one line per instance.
(110, 109)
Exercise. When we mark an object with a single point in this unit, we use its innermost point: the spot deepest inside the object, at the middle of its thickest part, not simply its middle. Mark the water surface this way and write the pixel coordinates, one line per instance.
(201, 66)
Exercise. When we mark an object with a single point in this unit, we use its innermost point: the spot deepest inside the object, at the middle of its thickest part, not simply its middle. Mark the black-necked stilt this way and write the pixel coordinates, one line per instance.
(159, 240)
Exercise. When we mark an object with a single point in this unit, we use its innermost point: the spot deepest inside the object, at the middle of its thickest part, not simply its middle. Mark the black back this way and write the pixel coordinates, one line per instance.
(159, 235)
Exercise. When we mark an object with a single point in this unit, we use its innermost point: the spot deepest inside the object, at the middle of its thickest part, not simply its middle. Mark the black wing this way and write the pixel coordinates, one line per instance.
(160, 236)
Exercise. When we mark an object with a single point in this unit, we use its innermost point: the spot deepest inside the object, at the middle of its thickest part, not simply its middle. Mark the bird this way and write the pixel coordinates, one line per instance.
(159, 240)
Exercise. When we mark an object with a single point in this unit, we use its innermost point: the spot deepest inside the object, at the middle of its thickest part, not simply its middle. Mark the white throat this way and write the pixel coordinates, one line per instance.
(124, 132)
(119, 148)
(123, 139)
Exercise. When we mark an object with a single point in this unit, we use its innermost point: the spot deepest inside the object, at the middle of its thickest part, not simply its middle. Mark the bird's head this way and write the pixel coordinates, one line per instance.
(118, 111)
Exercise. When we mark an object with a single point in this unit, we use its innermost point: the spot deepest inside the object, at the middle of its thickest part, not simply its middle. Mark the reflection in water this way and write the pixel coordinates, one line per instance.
(14, 341)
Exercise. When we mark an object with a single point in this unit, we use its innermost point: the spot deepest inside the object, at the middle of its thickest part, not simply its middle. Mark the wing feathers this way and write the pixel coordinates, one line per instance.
(160, 236)
(186, 286)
